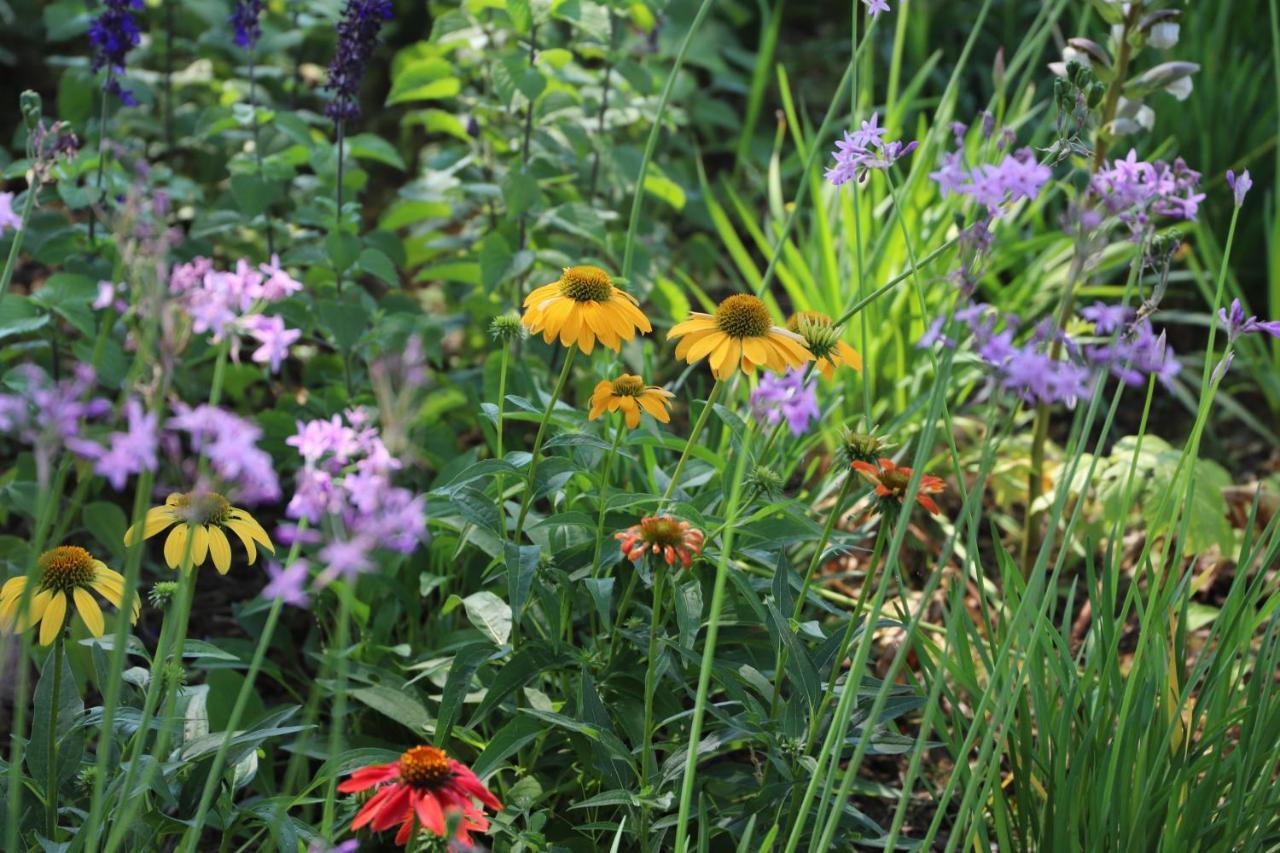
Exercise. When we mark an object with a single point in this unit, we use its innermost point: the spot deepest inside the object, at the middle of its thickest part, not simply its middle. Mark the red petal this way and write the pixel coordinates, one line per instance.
(429, 813)
(927, 502)
(371, 809)
(402, 837)
(367, 777)
(395, 809)
(887, 465)
(471, 784)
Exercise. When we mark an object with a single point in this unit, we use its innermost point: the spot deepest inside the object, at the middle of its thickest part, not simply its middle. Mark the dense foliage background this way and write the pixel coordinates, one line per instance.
(1077, 651)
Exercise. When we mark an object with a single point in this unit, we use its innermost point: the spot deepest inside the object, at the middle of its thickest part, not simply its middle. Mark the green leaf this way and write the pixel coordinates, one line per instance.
(522, 565)
(665, 189)
(521, 15)
(425, 79)
(490, 614)
(19, 316)
(107, 523)
(395, 704)
(369, 146)
(343, 249)
(71, 297)
(495, 258)
(520, 192)
(522, 668)
(345, 321)
(463, 669)
(377, 264)
(254, 195)
(508, 740)
(70, 737)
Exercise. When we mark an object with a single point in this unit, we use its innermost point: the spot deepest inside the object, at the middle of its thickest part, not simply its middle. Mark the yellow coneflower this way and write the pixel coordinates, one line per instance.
(584, 306)
(202, 517)
(822, 337)
(629, 394)
(68, 575)
(740, 334)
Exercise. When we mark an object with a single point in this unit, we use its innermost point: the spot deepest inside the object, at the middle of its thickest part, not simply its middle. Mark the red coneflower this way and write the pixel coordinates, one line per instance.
(891, 481)
(425, 784)
(668, 537)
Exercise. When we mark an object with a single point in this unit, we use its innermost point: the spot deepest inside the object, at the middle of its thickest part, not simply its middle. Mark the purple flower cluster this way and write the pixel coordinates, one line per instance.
(8, 218)
(127, 453)
(46, 415)
(222, 302)
(875, 7)
(289, 585)
(347, 475)
(1050, 366)
(1238, 324)
(244, 19)
(112, 35)
(230, 443)
(1135, 190)
(1016, 176)
(863, 150)
(787, 396)
(357, 37)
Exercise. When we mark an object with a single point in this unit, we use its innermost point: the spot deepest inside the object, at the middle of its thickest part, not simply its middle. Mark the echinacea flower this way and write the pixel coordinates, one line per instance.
(740, 334)
(68, 574)
(670, 538)
(629, 394)
(891, 482)
(423, 788)
(201, 517)
(584, 306)
(822, 337)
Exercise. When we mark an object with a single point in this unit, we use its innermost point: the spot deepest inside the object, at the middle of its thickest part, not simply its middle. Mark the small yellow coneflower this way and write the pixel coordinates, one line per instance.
(740, 334)
(584, 306)
(822, 337)
(201, 516)
(67, 575)
(629, 394)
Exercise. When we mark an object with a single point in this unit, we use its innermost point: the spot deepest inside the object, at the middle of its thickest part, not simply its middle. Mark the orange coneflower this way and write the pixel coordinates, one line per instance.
(425, 786)
(629, 394)
(663, 535)
(891, 482)
(584, 306)
(741, 334)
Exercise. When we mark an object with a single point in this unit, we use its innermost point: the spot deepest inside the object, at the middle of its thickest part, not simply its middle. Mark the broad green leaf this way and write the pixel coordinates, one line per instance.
(395, 704)
(490, 614)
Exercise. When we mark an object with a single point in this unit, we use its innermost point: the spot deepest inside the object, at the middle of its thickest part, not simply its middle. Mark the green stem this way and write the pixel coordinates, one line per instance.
(650, 676)
(102, 157)
(623, 604)
(836, 511)
(339, 709)
(527, 501)
(173, 633)
(51, 756)
(693, 436)
(708, 656)
(16, 247)
(242, 702)
(633, 222)
(604, 496)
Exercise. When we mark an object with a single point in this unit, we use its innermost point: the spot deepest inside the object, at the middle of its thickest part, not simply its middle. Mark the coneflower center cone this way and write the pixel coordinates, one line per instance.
(743, 316)
(586, 284)
(65, 567)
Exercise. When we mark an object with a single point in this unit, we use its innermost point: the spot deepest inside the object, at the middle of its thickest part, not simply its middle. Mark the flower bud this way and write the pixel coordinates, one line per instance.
(506, 327)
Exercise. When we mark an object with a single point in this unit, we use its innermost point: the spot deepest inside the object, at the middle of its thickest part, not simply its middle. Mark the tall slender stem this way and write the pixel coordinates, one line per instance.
(527, 501)
(339, 709)
(650, 686)
(604, 495)
(168, 78)
(604, 105)
(15, 248)
(693, 436)
(102, 156)
(257, 145)
(337, 213)
(51, 756)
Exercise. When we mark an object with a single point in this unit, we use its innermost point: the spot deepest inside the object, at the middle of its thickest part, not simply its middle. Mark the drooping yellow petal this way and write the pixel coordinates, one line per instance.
(725, 358)
(255, 528)
(653, 405)
(696, 323)
(175, 546)
(241, 529)
(39, 604)
(631, 412)
(53, 618)
(90, 612)
(199, 544)
(220, 550)
(157, 519)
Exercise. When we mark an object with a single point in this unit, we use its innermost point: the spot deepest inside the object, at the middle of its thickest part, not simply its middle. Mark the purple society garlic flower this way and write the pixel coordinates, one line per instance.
(357, 37)
(1135, 190)
(111, 296)
(244, 18)
(1240, 186)
(863, 150)
(230, 443)
(47, 416)
(8, 218)
(273, 339)
(217, 300)
(114, 33)
(126, 453)
(288, 585)
(787, 396)
(1107, 318)
(1238, 324)
(1016, 176)
(875, 7)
